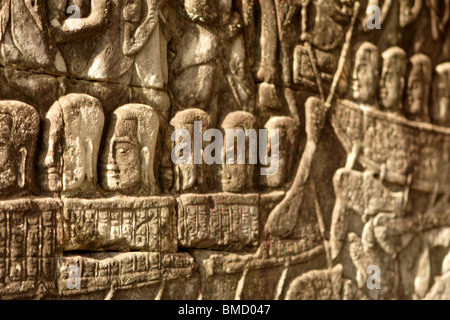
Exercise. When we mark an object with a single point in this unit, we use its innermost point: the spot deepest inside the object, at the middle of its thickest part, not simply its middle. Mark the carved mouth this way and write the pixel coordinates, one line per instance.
(52, 170)
(53, 174)
(112, 174)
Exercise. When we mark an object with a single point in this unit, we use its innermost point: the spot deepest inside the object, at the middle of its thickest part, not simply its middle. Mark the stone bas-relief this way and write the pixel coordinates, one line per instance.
(128, 158)
(74, 126)
(28, 247)
(120, 224)
(94, 94)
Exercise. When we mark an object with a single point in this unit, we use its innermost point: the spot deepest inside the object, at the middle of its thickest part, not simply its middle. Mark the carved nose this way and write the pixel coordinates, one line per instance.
(49, 161)
(112, 167)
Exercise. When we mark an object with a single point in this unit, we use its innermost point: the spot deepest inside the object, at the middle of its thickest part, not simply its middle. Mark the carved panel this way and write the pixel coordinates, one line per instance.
(28, 247)
(117, 122)
(221, 220)
(120, 224)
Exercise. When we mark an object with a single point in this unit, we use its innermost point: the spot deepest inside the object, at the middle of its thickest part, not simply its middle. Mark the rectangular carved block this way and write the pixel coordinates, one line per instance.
(272, 253)
(399, 145)
(120, 224)
(102, 271)
(28, 246)
(218, 221)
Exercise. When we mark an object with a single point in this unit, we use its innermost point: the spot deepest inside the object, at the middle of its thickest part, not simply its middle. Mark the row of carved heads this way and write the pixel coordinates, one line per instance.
(422, 94)
(71, 145)
(72, 139)
(240, 176)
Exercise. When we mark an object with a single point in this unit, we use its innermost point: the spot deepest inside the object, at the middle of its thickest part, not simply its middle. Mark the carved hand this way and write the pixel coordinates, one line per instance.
(101, 9)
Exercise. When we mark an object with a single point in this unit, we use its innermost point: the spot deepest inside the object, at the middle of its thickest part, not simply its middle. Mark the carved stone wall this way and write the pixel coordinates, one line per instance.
(93, 205)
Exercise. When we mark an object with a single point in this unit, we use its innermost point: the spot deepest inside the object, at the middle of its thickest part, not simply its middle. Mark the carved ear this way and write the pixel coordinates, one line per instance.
(145, 167)
(22, 166)
(90, 169)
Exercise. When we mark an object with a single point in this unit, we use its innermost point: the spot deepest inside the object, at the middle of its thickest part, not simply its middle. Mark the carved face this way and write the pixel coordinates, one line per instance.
(235, 177)
(365, 78)
(52, 163)
(188, 175)
(72, 135)
(201, 10)
(391, 86)
(280, 177)
(416, 91)
(8, 163)
(440, 108)
(121, 161)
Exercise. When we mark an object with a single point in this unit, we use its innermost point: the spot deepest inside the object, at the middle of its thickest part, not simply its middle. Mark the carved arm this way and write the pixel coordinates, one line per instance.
(73, 28)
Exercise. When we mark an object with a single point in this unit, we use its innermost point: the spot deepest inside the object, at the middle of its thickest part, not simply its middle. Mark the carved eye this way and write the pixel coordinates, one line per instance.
(122, 151)
(363, 68)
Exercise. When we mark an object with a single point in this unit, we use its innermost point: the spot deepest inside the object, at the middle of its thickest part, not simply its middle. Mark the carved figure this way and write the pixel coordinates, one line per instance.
(392, 81)
(19, 127)
(288, 135)
(72, 135)
(440, 105)
(366, 74)
(190, 176)
(75, 26)
(202, 66)
(124, 37)
(129, 153)
(237, 176)
(418, 88)
(25, 37)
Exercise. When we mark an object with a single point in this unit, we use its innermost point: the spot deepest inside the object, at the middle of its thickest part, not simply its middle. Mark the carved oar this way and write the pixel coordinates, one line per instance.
(283, 218)
(4, 17)
(161, 290)
(112, 291)
(343, 57)
(321, 223)
(339, 219)
(240, 285)
(282, 280)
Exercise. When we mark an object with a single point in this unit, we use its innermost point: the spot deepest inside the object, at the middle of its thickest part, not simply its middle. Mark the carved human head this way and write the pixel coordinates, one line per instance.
(129, 152)
(19, 129)
(238, 128)
(288, 135)
(188, 175)
(366, 74)
(392, 80)
(201, 10)
(208, 11)
(72, 135)
(418, 88)
(440, 106)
